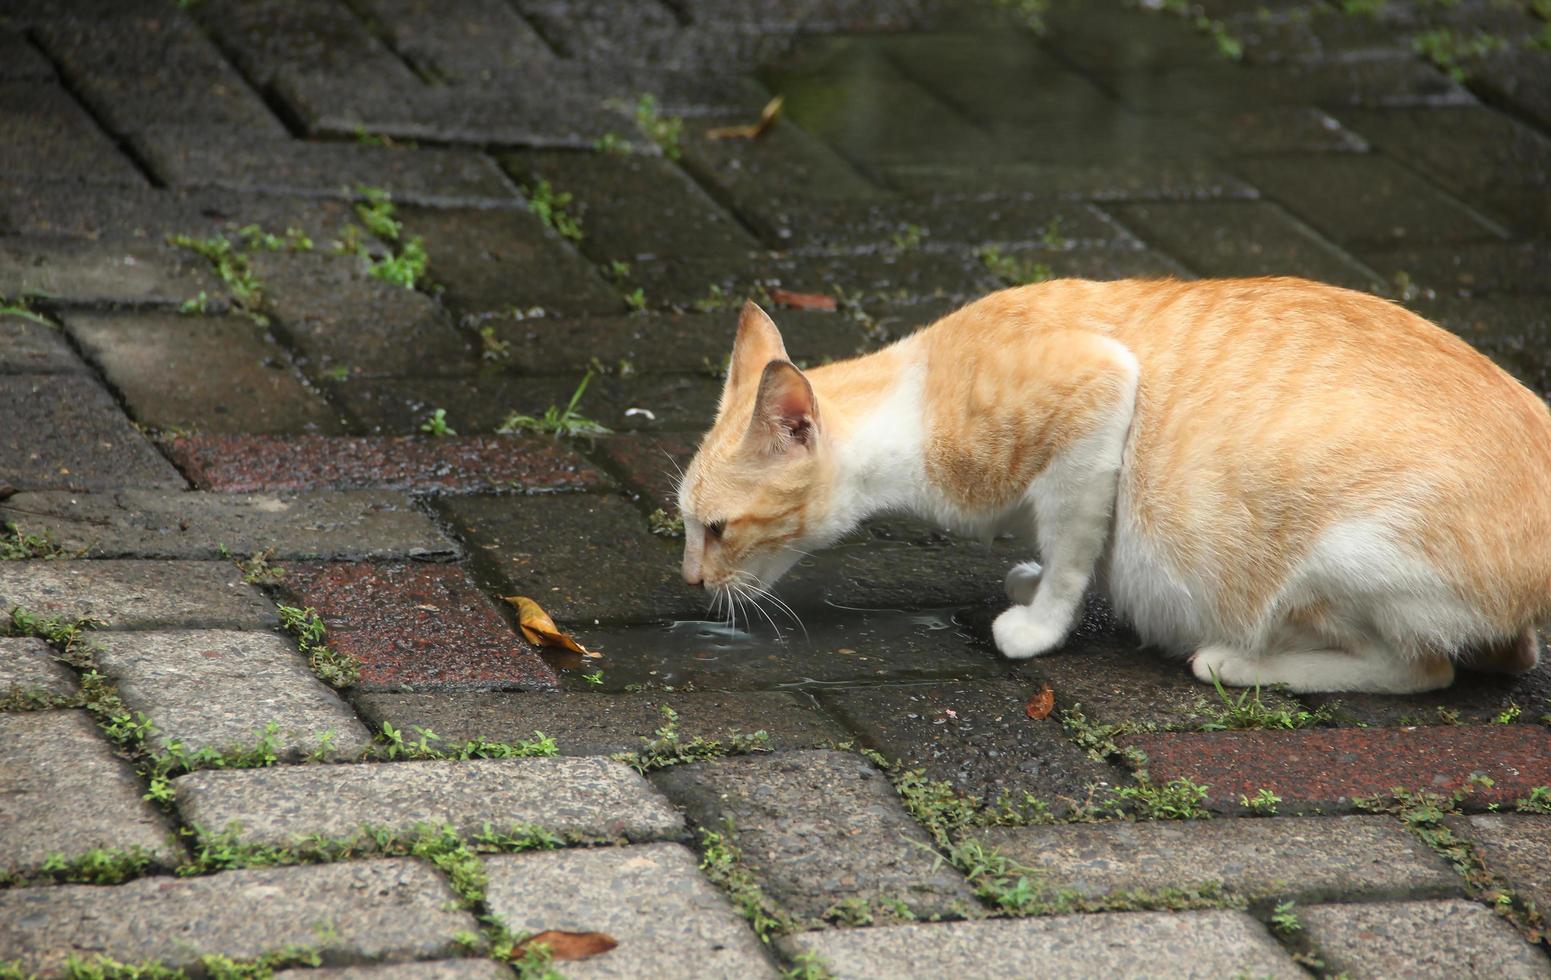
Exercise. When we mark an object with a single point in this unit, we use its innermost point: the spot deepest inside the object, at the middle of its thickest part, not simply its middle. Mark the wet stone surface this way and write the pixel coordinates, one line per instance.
(1513, 847)
(1327, 769)
(241, 464)
(131, 595)
(818, 828)
(225, 689)
(580, 799)
(48, 136)
(604, 724)
(28, 346)
(1389, 938)
(417, 626)
(104, 451)
(28, 669)
(72, 272)
(221, 374)
(356, 524)
(1469, 270)
(62, 791)
(977, 736)
(398, 909)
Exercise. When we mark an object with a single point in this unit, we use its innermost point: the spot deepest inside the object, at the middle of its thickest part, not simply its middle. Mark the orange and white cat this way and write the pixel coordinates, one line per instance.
(1293, 483)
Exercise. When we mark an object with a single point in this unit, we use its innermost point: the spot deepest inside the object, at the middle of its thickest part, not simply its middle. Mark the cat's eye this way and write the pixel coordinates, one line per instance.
(715, 528)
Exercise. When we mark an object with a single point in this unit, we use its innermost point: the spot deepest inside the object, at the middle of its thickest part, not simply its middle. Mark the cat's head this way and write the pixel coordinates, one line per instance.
(761, 482)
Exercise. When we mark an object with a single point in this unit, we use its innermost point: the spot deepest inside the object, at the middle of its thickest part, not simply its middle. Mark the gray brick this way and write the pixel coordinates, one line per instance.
(351, 524)
(1514, 846)
(670, 922)
(1176, 944)
(818, 828)
(44, 134)
(64, 431)
(206, 157)
(215, 374)
(1476, 269)
(589, 798)
(221, 688)
(62, 791)
(396, 909)
(70, 272)
(20, 61)
(1309, 859)
(1416, 939)
(30, 347)
(27, 666)
(433, 970)
(465, 43)
(135, 595)
(1162, 180)
(267, 36)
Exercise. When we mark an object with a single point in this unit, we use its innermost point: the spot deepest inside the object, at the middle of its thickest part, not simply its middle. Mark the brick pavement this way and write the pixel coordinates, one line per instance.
(300, 406)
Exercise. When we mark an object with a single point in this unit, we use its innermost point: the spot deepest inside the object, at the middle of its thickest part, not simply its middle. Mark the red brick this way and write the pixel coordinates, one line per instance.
(650, 464)
(1326, 768)
(245, 463)
(417, 627)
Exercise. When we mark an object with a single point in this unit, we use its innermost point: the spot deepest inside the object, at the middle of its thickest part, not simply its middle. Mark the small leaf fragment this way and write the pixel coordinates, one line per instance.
(802, 301)
(538, 628)
(568, 945)
(1041, 703)
(752, 131)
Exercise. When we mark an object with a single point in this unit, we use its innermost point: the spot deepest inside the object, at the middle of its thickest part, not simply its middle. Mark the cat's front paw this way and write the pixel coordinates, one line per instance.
(1020, 634)
(1022, 581)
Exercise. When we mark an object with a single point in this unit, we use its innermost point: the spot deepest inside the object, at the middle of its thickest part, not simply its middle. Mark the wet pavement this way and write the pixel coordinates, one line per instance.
(283, 281)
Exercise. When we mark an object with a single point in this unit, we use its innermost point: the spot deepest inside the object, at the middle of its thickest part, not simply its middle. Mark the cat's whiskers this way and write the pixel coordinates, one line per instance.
(754, 582)
(754, 601)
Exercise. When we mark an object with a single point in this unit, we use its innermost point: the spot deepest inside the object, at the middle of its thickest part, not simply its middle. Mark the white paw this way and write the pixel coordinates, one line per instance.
(1231, 667)
(1019, 634)
(1021, 582)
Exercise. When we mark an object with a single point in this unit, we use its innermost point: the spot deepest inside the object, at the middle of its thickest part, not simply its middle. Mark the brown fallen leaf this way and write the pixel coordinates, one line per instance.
(1041, 703)
(568, 945)
(802, 301)
(752, 131)
(538, 628)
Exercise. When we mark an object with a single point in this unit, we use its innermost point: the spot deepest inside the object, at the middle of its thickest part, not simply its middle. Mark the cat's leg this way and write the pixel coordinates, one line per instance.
(1073, 508)
(1022, 580)
(1518, 655)
(1375, 670)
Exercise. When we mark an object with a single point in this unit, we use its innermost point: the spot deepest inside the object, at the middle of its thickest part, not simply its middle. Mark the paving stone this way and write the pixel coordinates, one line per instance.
(482, 403)
(28, 346)
(994, 78)
(1514, 847)
(1514, 331)
(1364, 199)
(650, 464)
(434, 970)
(45, 134)
(68, 272)
(215, 374)
(1513, 78)
(945, 224)
(1474, 698)
(27, 666)
(126, 41)
(220, 688)
(341, 319)
(20, 61)
(651, 342)
(976, 735)
(134, 595)
(1252, 238)
(1419, 939)
(496, 260)
(1162, 180)
(151, 214)
(1485, 157)
(208, 157)
(633, 207)
(244, 464)
(584, 799)
(396, 909)
(131, 103)
(417, 627)
(267, 36)
(1481, 268)
(1326, 769)
(62, 790)
(462, 44)
(1281, 129)
(818, 828)
(103, 450)
(597, 724)
(354, 525)
(1220, 87)
(1182, 944)
(1110, 41)
(669, 921)
(1307, 859)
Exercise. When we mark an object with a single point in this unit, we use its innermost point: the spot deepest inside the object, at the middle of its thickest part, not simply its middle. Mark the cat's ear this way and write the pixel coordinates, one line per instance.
(758, 343)
(786, 415)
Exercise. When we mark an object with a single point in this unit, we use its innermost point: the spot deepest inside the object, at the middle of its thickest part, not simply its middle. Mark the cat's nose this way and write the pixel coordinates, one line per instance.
(695, 580)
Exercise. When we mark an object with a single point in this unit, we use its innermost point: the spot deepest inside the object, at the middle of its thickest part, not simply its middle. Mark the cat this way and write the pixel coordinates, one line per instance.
(1289, 482)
